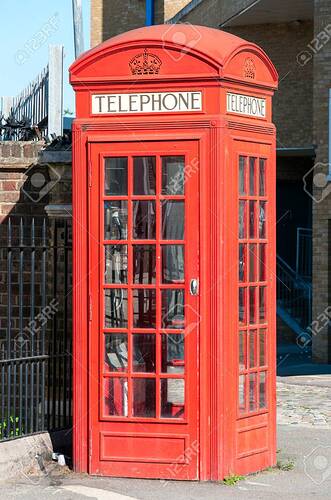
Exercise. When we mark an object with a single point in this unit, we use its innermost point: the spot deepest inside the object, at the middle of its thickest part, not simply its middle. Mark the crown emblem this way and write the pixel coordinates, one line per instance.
(249, 68)
(145, 64)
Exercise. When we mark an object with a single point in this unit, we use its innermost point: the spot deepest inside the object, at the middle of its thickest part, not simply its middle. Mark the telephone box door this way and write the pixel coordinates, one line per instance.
(144, 309)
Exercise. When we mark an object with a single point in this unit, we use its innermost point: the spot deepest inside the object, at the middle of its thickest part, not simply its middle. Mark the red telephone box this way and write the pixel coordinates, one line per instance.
(174, 256)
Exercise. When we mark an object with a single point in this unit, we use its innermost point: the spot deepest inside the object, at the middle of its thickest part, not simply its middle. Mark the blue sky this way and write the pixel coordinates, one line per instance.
(27, 29)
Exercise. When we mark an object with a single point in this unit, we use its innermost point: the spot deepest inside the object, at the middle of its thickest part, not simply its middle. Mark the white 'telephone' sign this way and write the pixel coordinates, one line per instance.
(152, 102)
(246, 105)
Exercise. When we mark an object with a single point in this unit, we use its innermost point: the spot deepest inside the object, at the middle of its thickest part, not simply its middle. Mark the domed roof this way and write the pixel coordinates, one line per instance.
(214, 46)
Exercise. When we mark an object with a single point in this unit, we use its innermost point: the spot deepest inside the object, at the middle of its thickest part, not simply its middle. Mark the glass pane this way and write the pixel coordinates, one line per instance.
(172, 398)
(116, 264)
(252, 304)
(242, 306)
(242, 405)
(252, 262)
(173, 175)
(173, 353)
(144, 220)
(144, 169)
(173, 220)
(144, 263)
(263, 390)
(262, 219)
(262, 304)
(262, 177)
(242, 220)
(144, 308)
(252, 225)
(173, 309)
(116, 176)
(262, 262)
(242, 262)
(242, 172)
(252, 177)
(262, 347)
(252, 392)
(252, 349)
(144, 397)
(116, 220)
(116, 352)
(116, 308)
(116, 397)
(144, 353)
(172, 263)
(242, 351)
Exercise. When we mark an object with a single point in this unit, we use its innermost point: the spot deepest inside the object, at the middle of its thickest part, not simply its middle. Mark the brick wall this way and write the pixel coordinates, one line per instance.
(322, 204)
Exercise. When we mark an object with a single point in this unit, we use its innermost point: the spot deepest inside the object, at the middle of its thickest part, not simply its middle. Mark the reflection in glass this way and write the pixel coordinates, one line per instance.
(116, 176)
(262, 262)
(173, 220)
(144, 351)
(262, 219)
(242, 306)
(116, 308)
(252, 262)
(252, 304)
(252, 349)
(242, 351)
(173, 309)
(144, 308)
(242, 219)
(172, 353)
(116, 397)
(262, 177)
(242, 171)
(262, 305)
(263, 390)
(252, 176)
(172, 263)
(144, 168)
(173, 175)
(262, 347)
(116, 352)
(144, 397)
(144, 220)
(252, 225)
(252, 392)
(242, 404)
(172, 398)
(144, 264)
(116, 264)
(116, 220)
(242, 262)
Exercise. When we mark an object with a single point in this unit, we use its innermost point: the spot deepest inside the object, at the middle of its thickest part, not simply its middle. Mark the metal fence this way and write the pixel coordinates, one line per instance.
(37, 111)
(304, 252)
(35, 326)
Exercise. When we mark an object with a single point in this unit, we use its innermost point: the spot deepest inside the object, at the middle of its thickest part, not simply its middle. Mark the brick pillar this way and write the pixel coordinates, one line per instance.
(322, 196)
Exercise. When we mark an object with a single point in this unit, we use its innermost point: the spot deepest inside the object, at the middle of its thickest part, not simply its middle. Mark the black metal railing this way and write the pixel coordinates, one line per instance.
(35, 326)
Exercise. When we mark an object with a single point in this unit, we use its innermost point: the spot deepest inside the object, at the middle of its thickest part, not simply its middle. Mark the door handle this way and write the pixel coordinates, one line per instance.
(194, 286)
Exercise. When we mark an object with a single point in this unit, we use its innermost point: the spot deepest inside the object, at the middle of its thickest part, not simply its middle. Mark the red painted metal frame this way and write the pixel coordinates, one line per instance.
(139, 428)
(228, 441)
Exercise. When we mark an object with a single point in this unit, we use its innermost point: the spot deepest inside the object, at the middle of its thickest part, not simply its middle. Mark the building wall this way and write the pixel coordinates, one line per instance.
(293, 102)
(322, 196)
(112, 17)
